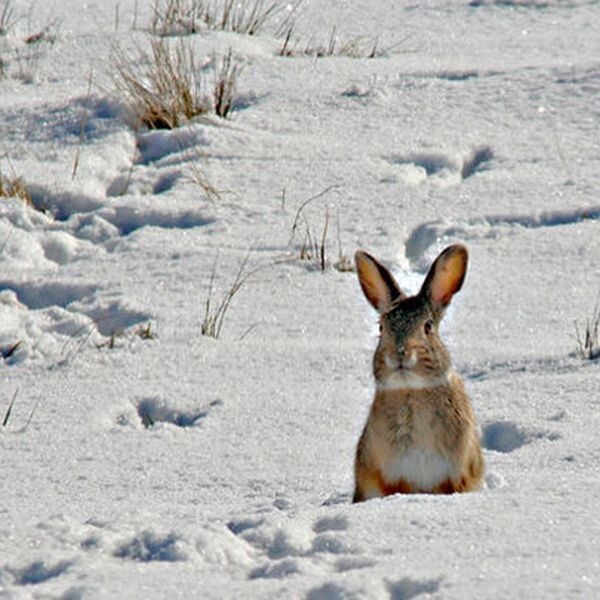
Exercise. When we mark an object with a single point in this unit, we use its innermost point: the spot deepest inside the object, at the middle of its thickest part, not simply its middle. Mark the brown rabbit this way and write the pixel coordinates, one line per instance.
(420, 436)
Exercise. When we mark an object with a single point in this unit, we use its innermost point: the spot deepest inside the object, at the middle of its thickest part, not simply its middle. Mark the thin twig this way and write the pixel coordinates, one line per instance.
(9, 409)
(307, 202)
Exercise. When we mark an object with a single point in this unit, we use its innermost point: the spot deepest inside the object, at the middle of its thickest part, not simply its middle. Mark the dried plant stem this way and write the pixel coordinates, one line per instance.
(9, 409)
(588, 339)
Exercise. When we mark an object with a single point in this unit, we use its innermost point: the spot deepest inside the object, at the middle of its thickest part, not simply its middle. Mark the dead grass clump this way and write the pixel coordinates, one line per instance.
(163, 88)
(227, 72)
(143, 332)
(214, 314)
(588, 337)
(351, 47)
(313, 247)
(15, 188)
(184, 17)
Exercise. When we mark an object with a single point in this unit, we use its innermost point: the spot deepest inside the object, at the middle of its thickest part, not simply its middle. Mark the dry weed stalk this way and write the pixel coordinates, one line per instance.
(312, 248)
(214, 314)
(184, 17)
(7, 18)
(354, 47)
(196, 176)
(227, 72)
(9, 409)
(588, 339)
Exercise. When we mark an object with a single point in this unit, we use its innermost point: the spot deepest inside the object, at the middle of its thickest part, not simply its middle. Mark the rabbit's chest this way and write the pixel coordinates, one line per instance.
(422, 468)
(414, 449)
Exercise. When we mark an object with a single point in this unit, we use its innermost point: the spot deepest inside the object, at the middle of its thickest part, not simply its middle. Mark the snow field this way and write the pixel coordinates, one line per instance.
(161, 463)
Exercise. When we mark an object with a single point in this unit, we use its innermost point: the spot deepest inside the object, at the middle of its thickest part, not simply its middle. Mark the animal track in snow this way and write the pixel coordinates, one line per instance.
(287, 547)
(336, 523)
(331, 591)
(349, 563)
(407, 588)
(506, 436)
(37, 295)
(154, 410)
(417, 167)
(57, 317)
(38, 572)
(276, 570)
(149, 546)
(88, 118)
(427, 235)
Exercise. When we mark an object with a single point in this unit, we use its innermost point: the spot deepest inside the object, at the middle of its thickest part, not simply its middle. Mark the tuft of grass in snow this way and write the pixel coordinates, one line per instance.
(214, 314)
(352, 47)
(14, 187)
(7, 18)
(227, 72)
(163, 88)
(144, 332)
(185, 17)
(588, 335)
(314, 247)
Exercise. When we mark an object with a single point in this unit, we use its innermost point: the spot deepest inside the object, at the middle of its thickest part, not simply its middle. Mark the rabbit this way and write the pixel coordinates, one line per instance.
(421, 435)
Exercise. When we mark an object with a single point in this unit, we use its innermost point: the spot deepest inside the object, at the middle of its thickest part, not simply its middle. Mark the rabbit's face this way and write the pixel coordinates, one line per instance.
(410, 352)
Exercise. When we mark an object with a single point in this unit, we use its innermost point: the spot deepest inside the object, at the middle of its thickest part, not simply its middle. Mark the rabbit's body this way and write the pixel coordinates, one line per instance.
(420, 436)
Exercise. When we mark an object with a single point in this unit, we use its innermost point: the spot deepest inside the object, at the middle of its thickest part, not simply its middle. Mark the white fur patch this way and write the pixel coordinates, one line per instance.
(423, 468)
(411, 361)
(409, 380)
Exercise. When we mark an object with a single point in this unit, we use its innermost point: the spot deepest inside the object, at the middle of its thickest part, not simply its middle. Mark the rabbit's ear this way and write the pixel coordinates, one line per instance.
(446, 275)
(378, 284)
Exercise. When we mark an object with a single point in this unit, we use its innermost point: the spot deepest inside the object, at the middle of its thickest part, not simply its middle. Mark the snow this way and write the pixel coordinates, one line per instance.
(142, 459)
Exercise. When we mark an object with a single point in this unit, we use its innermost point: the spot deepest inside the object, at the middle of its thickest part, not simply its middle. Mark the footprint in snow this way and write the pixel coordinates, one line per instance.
(39, 572)
(506, 436)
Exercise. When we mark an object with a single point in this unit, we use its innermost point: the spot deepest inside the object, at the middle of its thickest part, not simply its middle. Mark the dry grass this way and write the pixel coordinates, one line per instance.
(214, 314)
(7, 18)
(164, 88)
(196, 176)
(227, 72)
(351, 47)
(9, 409)
(14, 187)
(313, 247)
(144, 332)
(588, 336)
(184, 17)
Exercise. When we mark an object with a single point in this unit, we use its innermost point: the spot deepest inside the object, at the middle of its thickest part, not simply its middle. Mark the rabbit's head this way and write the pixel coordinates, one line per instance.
(410, 353)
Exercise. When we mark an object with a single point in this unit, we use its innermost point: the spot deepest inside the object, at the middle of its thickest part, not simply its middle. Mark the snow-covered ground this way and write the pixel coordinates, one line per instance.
(142, 459)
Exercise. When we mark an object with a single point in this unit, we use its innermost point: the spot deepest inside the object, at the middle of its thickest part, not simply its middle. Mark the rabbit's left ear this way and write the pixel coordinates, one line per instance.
(446, 275)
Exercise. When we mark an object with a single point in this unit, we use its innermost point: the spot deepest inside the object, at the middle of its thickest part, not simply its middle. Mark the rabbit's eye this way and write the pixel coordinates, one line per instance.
(428, 327)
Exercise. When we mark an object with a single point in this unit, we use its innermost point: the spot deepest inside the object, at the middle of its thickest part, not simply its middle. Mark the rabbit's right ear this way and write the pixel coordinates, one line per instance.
(378, 284)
